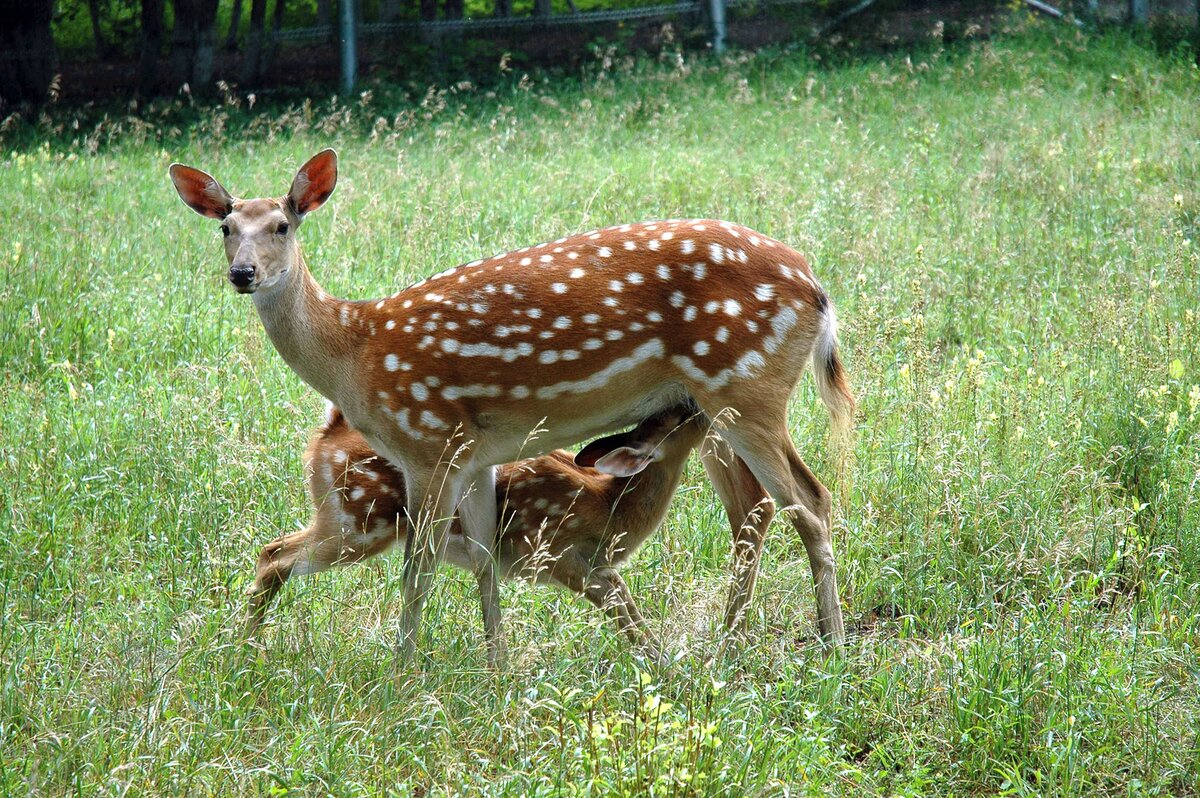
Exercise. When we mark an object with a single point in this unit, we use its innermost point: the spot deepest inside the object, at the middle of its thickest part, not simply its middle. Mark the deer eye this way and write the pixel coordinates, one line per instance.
(225, 230)
(282, 229)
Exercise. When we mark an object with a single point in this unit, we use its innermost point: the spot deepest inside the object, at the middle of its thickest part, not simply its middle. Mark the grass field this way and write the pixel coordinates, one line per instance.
(1010, 231)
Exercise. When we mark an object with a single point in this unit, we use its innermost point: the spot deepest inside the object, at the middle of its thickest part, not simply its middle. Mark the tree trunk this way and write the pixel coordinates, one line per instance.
(253, 62)
(325, 16)
(194, 43)
(27, 54)
(504, 8)
(543, 8)
(389, 10)
(428, 10)
(150, 46)
(276, 27)
(97, 34)
(454, 9)
(1139, 11)
(235, 22)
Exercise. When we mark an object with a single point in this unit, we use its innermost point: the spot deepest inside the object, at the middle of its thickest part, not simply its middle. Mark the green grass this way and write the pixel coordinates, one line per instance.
(1010, 230)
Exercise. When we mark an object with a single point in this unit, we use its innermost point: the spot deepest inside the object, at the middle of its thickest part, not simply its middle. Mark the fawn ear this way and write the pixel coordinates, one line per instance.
(611, 456)
(201, 192)
(314, 182)
(625, 461)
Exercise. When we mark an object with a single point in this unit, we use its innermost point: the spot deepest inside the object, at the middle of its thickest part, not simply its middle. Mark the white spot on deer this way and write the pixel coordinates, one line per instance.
(519, 392)
(576, 273)
(592, 344)
(593, 236)
(429, 326)
(432, 421)
(689, 313)
(604, 252)
(783, 321)
(712, 306)
(754, 241)
(432, 381)
(526, 261)
(752, 325)
(653, 244)
(407, 303)
(534, 313)
(630, 245)
(591, 318)
(391, 363)
(764, 292)
(654, 316)
(473, 264)
(614, 335)
(649, 350)
(391, 324)
(732, 307)
(749, 363)
(559, 288)
(379, 304)
(546, 259)
(716, 253)
(676, 299)
(569, 354)
(637, 326)
(339, 456)
(634, 278)
(663, 271)
(572, 255)
(611, 301)
(700, 348)
(741, 256)
(699, 228)
(722, 334)
(455, 392)
(345, 315)
(687, 246)
(668, 235)
(419, 391)
(546, 335)
(616, 286)
(450, 346)
(357, 494)
(433, 297)
(561, 323)
(479, 307)
(451, 325)
(401, 418)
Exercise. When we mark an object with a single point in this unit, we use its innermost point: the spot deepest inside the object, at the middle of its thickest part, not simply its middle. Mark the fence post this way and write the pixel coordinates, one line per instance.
(349, 34)
(1139, 11)
(717, 11)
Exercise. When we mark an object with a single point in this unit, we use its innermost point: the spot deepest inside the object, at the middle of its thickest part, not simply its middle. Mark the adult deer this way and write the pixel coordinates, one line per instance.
(560, 521)
(575, 338)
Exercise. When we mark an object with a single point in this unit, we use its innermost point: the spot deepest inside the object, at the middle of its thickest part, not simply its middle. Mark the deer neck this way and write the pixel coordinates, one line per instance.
(308, 328)
(640, 502)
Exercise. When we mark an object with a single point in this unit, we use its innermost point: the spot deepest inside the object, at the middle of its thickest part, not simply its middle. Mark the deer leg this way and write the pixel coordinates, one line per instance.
(763, 442)
(604, 587)
(430, 522)
(750, 511)
(324, 544)
(478, 513)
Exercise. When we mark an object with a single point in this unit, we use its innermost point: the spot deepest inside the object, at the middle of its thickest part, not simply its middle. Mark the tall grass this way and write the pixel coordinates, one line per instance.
(1010, 231)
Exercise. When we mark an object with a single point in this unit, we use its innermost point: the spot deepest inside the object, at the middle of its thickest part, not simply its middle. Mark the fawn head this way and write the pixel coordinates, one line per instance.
(668, 435)
(260, 234)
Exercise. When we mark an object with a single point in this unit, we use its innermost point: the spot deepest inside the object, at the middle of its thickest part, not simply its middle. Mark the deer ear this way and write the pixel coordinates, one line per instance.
(201, 192)
(598, 448)
(625, 461)
(314, 182)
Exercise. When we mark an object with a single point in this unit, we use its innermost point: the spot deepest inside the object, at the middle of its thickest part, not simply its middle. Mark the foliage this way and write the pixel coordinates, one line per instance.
(1010, 231)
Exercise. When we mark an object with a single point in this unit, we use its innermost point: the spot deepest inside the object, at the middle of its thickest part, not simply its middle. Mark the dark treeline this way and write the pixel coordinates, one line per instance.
(169, 43)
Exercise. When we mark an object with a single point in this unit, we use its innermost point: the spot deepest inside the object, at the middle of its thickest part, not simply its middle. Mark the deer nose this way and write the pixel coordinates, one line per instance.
(240, 274)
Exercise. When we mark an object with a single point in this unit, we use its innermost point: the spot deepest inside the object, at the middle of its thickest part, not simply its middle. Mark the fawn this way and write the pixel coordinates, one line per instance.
(568, 521)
